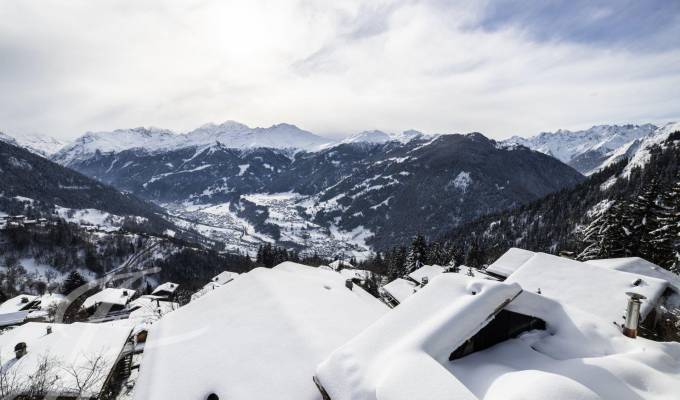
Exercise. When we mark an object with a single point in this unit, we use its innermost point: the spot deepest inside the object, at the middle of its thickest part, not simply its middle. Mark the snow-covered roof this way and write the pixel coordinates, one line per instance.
(69, 347)
(224, 277)
(17, 303)
(337, 264)
(13, 318)
(510, 262)
(150, 309)
(402, 355)
(600, 291)
(169, 287)
(351, 273)
(115, 296)
(259, 337)
(640, 266)
(405, 355)
(400, 289)
(578, 356)
(426, 271)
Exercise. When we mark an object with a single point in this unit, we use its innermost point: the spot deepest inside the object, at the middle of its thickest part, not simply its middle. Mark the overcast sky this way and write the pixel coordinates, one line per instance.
(337, 67)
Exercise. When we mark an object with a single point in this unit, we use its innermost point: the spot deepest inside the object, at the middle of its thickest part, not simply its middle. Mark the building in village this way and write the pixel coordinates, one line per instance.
(166, 290)
(65, 361)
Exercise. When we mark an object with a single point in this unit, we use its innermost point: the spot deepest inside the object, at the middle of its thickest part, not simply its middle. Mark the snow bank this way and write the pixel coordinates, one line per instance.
(259, 337)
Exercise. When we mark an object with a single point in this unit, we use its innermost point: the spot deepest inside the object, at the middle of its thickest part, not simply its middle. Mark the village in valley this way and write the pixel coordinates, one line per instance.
(602, 328)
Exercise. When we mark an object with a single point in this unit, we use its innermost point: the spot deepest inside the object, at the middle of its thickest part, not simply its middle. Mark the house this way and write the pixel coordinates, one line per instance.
(218, 281)
(108, 302)
(425, 273)
(166, 290)
(340, 264)
(596, 290)
(397, 291)
(22, 302)
(509, 262)
(78, 358)
(259, 337)
(150, 308)
(24, 308)
(462, 337)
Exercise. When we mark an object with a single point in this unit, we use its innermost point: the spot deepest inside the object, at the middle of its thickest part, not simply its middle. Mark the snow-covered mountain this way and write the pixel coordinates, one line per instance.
(379, 137)
(35, 143)
(591, 149)
(231, 134)
(360, 192)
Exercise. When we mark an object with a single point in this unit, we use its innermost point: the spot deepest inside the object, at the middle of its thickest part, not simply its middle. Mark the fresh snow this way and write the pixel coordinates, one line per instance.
(258, 337)
(593, 289)
(112, 296)
(510, 261)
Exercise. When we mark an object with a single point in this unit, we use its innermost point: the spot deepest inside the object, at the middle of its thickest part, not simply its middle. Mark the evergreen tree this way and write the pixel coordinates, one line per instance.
(72, 282)
(605, 236)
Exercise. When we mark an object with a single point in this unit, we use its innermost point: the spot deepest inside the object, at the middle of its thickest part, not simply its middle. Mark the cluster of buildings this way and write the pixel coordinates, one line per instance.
(530, 326)
(16, 221)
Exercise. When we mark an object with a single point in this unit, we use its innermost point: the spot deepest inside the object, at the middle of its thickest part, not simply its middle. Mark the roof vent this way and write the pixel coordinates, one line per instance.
(125, 293)
(637, 282)
(424, 280)
(24, 300)
(49, 329)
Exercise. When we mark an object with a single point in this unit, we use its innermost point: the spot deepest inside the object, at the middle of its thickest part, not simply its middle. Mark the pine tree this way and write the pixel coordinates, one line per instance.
(72, 282)
(605, 236)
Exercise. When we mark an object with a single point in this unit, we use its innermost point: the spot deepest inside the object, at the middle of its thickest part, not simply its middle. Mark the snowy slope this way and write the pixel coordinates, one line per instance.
(587, 150)
(38, 144)
(231, 134)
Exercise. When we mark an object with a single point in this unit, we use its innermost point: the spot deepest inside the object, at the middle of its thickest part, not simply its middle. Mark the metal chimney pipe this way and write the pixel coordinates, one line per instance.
(630, 326)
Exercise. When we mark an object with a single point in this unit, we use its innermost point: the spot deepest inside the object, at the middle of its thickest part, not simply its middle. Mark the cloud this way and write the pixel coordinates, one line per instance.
(332, 67)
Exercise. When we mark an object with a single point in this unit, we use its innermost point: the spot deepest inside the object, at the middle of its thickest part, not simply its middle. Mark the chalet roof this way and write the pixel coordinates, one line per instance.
(401, 355)
(510, 261)
(224, 277)
(13, 318)
(337, 264)
(259, 337)
(69, 346)
(400, 289)
(169, 287)
(17, 303)
(114, 296)
(597, 290)
(405, 354)
(637, 265)
(426, 271)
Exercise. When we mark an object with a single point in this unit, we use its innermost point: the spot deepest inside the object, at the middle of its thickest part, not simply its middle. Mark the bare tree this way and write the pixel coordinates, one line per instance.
(14, 381)
(87, 375)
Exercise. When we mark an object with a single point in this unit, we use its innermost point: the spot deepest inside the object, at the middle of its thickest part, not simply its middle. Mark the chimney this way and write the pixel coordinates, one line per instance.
(349, 284)
(20, 350)
(424, 280)
(49, 329)
(125, 293)
(630, 326)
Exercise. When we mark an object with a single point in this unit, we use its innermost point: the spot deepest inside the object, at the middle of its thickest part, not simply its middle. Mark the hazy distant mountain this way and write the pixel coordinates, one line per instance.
(231, 134)
(39, 144)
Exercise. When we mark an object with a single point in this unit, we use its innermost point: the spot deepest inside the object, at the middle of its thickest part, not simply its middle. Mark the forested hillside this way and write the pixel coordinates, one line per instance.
(608, 215)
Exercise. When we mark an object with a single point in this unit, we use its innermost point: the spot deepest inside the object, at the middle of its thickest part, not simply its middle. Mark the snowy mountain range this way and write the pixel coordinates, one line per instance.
(590, 150)
(35, 143)
(358, 193)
